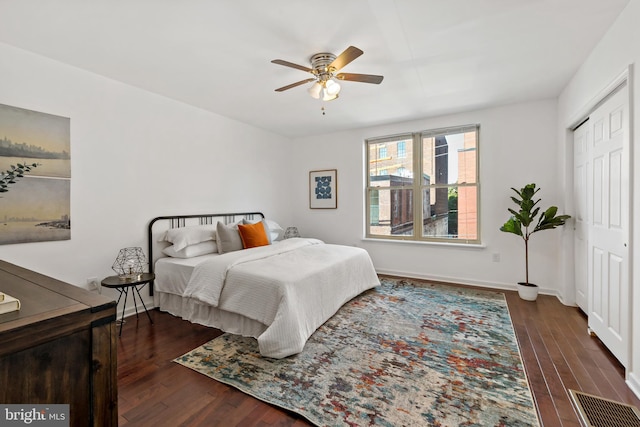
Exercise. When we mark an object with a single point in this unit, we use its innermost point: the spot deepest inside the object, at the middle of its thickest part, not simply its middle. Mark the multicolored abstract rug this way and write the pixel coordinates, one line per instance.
(407, 353)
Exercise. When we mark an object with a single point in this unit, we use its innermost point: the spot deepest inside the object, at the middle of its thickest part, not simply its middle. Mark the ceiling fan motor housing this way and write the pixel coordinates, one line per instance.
(320, 63)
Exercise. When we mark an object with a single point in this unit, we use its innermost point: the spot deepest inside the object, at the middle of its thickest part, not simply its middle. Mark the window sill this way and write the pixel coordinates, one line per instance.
(425, 243)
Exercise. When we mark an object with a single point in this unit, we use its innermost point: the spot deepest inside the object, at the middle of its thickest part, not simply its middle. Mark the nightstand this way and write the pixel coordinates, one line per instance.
(123, 286)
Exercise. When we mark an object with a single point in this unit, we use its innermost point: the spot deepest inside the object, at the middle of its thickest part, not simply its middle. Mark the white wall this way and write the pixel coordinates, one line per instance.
(618, 49)
(135, 156)
(517, 146)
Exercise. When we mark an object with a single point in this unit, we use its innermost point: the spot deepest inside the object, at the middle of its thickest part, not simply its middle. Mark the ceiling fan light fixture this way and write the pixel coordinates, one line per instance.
(328, 97)
(315, 90)
(331, 87)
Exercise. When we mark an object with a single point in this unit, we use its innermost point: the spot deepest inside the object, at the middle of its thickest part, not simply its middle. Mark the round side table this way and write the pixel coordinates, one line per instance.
(123, 286)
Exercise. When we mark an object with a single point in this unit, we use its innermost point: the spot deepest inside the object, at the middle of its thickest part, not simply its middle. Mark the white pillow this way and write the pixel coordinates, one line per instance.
(186, 236)
(203, 248)
(275, 231)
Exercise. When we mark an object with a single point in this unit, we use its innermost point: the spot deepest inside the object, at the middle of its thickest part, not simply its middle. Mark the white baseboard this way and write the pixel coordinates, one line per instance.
(131, 310)
(465, 281)
(634, 383)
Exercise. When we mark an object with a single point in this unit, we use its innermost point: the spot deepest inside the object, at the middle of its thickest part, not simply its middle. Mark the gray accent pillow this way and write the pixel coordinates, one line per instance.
(228, 238)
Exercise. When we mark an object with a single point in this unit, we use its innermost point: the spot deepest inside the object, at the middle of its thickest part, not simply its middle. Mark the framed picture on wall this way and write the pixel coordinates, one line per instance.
(323, 189)
(35, 176)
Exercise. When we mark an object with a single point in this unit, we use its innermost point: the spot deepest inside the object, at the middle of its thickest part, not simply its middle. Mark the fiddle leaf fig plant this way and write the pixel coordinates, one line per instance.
(525, 220)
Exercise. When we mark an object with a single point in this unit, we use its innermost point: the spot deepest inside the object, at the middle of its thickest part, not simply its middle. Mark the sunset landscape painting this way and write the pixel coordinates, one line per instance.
(35, 176)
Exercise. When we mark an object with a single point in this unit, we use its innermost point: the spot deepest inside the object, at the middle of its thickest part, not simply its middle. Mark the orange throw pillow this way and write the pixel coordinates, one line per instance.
(253, 235)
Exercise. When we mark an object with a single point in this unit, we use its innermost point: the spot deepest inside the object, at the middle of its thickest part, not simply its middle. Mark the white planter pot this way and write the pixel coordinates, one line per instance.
(528, 293)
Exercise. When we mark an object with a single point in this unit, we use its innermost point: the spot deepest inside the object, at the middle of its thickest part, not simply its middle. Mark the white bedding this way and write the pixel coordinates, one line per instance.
(172, 274)
(291, 287)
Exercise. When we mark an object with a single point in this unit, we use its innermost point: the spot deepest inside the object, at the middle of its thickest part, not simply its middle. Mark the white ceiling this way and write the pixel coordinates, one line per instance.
(437, 56)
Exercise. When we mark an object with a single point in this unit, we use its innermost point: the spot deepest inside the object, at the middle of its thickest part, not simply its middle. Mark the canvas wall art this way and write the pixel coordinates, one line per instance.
(35, 176)
(323, 189)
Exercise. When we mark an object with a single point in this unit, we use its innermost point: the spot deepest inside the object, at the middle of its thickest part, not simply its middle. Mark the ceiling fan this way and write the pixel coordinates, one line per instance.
(324, 67)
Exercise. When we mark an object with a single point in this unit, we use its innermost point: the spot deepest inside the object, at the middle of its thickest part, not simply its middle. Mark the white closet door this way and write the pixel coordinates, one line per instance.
(581, 146)
(608, 198)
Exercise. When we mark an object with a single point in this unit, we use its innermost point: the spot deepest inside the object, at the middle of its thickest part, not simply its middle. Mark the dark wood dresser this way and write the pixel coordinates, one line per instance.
(59, 348)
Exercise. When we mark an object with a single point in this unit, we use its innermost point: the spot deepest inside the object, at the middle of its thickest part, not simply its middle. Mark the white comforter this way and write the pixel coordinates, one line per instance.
(293, 287)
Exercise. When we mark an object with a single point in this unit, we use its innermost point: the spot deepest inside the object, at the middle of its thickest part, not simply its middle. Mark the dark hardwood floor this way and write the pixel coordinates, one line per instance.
(153, 391)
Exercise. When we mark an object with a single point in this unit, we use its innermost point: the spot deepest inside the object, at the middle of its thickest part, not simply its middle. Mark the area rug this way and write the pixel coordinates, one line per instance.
(407, 353)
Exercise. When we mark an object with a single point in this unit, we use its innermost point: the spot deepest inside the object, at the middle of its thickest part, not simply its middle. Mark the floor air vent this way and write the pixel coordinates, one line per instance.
(598, 412)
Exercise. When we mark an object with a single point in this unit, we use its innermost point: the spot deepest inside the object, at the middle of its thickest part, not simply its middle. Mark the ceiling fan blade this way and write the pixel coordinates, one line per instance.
(345, 57)
(292, 85)
(292, 65)
(364, 78)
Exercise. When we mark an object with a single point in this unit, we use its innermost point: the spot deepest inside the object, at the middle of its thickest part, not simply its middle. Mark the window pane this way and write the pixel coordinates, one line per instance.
(391, 212)
(450, 158)
(391, 159)
(451, 213)
(468, 213)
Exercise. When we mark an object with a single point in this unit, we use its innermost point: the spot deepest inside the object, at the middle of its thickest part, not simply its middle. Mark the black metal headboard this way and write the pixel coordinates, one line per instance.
(157, 226)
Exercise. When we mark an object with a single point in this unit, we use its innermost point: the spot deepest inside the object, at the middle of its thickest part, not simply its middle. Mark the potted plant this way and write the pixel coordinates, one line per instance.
(523, 223)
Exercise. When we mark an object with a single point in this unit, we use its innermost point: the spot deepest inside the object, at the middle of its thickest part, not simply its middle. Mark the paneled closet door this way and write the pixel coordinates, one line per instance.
(608, 232)
(581, 190)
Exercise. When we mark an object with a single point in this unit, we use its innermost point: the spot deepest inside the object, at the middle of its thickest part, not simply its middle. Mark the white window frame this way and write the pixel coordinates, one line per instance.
(417, 187)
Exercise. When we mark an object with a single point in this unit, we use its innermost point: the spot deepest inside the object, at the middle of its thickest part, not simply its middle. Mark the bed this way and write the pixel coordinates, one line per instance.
(278, 292)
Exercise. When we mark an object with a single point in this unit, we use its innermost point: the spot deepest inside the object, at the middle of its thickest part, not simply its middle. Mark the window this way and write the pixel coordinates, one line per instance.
(430, 193)
(402, 151)
(402, 171)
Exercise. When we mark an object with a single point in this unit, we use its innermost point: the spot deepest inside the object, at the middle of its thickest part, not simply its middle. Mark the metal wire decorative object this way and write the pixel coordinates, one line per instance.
(130, 263)
(291, 232)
